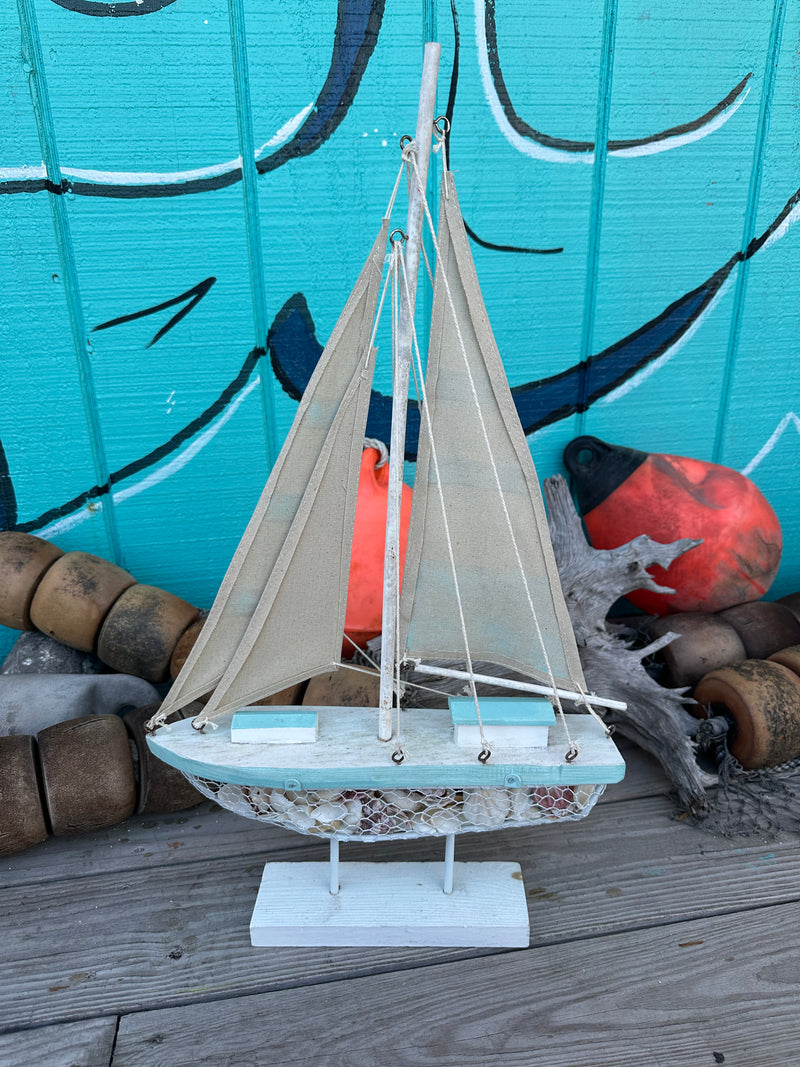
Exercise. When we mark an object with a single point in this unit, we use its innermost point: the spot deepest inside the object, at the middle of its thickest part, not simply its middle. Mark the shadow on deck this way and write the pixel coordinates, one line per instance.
(651, 943)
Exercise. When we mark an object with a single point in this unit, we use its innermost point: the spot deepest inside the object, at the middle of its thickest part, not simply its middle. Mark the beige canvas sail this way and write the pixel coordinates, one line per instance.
(296, 629)
(308, 448)
(483, 496)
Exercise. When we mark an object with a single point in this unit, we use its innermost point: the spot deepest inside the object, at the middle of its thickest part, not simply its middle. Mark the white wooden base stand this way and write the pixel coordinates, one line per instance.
(386, 904)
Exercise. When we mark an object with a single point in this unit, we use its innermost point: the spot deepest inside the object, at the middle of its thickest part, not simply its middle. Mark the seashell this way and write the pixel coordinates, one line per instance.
(406, 800)
(353, 813)
(328, 816)
(523, 809)
(442, 820)
(230, 797)
(486, 807)
(280, 801)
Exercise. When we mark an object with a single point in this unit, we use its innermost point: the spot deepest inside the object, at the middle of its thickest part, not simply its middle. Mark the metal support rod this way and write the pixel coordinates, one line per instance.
(401, 375)
(524, 687)
(449, 856)
(334, 865)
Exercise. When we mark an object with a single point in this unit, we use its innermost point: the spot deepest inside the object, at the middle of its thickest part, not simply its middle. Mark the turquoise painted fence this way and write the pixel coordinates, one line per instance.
(629, 173)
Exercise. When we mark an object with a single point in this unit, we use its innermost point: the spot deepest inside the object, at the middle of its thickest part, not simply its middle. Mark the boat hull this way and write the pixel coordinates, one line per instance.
(348, 755)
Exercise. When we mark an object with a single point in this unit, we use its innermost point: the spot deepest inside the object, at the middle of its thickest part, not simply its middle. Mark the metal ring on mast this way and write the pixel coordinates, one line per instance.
(400, 240)
(444, 129)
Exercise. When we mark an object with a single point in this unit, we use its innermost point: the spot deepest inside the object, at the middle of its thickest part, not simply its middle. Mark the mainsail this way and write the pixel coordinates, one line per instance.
(511, 603)
(293, 559)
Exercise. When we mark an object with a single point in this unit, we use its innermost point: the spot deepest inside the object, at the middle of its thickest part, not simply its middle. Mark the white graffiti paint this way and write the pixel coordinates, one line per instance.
(789, 419)
(549, 154)
(785, 226)
(177, 463)
(651, 368)
(135, 177)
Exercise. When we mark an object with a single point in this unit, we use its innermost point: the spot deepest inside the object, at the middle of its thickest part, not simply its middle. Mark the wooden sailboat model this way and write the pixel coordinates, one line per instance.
(480, 584)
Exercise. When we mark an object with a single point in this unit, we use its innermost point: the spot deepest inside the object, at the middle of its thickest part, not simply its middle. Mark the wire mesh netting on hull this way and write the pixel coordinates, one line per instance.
(357, 814)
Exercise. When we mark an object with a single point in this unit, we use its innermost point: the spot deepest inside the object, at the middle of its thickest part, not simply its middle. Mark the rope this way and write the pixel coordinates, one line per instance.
(378, 314)
(376, 667)
(393, 197)
(573, 749)
(441, 144)
(379, 446)
(419, 384)
(397, 262)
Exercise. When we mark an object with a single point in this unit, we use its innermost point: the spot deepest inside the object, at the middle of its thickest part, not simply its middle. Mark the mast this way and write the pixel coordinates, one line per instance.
(400, 380)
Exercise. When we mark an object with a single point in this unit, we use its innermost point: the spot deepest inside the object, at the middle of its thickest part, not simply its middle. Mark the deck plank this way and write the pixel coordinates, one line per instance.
(166, 840)
(128, 941)
(145, 842)
(671, 996)
(88, 1043)
(644, 776)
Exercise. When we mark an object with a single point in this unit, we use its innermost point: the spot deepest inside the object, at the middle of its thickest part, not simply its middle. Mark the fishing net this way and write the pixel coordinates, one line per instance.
(763, 802)
(388, 814)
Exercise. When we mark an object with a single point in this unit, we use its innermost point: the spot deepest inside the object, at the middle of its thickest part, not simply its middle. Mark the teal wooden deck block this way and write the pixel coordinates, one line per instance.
(274, 725)
(519, 721)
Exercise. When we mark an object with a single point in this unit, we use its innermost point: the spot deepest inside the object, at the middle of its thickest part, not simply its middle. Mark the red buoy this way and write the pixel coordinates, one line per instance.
(623, 493)
(364, 614)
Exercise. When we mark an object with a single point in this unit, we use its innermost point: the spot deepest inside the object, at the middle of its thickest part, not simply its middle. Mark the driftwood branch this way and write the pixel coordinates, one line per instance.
(592, 580)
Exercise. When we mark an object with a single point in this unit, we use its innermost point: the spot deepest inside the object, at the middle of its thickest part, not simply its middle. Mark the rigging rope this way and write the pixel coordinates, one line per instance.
(419, 383)
(397, 259)
(573, 749)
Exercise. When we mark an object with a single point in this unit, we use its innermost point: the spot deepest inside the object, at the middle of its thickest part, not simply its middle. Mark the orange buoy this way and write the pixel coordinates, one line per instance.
(364, 614)
(623, 493)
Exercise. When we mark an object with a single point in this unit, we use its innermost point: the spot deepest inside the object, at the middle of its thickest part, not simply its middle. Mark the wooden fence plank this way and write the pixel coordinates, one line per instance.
(715, 990)
(136, 939)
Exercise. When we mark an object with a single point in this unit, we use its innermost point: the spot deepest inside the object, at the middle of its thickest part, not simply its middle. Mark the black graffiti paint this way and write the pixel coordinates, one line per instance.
(150, 459)
(102, 9)
(451, 104)
(294, 352)
(358, 24)
(8, 498)
(193, 296)
(566, 144)
(540, 403)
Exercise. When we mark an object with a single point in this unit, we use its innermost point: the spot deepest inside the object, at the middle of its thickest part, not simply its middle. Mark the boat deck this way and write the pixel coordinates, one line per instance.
(652, 943)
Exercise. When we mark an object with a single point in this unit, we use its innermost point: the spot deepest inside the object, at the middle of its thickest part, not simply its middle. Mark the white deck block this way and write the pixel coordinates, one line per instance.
(276, 725)
(516, 722)
(391, 904)
(502, 736)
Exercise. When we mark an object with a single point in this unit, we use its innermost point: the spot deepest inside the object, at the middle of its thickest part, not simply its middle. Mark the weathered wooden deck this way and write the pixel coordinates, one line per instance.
(651, 944)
